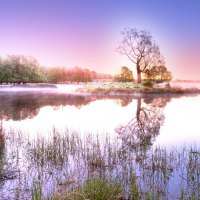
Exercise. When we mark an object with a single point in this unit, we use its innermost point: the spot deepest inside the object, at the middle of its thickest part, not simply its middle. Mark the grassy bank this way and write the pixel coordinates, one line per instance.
(65, 166)
(131, 88)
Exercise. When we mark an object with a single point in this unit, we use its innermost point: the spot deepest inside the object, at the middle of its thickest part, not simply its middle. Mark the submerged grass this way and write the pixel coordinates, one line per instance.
(66, 166)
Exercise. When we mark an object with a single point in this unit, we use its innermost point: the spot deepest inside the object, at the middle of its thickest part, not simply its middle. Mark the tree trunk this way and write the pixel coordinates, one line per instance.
(139, 102)
(139, 79)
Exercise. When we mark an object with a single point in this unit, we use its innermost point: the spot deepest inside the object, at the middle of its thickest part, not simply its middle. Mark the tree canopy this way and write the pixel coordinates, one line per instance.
(20, 69)
(62, 74)
(141, 50)
(158, 74)
(17, 69)
(125, 75)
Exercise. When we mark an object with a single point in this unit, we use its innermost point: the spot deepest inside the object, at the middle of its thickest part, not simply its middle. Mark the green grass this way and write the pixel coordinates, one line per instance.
(97, 189)
(36, 192)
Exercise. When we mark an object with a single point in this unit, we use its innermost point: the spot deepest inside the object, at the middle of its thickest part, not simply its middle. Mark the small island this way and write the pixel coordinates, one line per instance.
(134, 89)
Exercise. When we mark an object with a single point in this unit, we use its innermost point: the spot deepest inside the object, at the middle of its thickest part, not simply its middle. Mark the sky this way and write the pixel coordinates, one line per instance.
(86, 33)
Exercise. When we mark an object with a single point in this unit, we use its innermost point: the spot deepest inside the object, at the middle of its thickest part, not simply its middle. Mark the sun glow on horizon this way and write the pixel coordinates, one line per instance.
(86, 35)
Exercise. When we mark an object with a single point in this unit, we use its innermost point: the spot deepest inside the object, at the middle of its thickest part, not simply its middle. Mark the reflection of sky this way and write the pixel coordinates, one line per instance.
(181, 124)
(101, 116)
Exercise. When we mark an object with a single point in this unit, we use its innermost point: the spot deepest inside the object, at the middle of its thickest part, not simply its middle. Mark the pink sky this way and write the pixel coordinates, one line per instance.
(73, 33)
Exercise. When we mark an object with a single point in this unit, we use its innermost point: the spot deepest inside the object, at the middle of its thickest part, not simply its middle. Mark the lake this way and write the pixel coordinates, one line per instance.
(39, 112)
(39, 125)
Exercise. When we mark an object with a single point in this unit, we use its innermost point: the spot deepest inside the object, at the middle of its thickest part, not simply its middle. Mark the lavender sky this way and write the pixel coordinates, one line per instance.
(86, 33)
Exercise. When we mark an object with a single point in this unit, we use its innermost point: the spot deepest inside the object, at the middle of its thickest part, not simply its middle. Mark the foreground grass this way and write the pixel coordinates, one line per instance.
(65, 166)
(134, 88)
(99, 189)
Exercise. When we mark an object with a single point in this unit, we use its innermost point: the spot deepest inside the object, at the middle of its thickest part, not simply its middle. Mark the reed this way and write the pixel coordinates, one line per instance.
(67, 166)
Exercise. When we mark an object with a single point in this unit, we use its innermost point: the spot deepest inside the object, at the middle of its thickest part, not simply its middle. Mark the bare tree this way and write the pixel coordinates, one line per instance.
(142, 51)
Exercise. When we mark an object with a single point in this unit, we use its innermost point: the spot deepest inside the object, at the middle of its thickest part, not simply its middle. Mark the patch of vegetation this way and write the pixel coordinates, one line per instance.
(21, 69)
(97, 189)
(148, 84)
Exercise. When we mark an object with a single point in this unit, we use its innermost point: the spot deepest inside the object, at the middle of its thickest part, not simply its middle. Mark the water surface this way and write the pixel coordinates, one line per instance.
(50, 137)
(173, 118)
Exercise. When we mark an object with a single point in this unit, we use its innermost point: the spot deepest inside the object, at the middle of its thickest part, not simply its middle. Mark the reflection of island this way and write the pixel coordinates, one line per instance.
(142, 130)
(22, 105)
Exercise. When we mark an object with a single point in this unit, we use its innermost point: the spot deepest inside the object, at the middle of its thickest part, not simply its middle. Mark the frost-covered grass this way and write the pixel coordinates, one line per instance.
(134, 88)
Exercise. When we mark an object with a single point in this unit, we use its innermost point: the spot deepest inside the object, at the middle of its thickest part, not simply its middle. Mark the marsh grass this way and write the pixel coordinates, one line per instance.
(66, 166)
(99, 189)
(36, 191)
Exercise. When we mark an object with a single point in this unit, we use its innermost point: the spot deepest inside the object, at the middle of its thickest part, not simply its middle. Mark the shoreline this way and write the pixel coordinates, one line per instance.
(28, 85)
(104, 89)
(132, 89)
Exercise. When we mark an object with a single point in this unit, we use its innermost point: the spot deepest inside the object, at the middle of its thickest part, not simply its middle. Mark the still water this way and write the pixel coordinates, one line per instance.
(172, 120)
(95, 137)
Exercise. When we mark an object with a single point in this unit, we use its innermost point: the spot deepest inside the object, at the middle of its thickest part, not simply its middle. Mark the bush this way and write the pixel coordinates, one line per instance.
(147, 83)
(167, 85)
(125, 75)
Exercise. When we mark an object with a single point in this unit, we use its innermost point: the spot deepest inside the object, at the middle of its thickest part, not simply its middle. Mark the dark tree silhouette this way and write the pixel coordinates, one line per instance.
(140, 49)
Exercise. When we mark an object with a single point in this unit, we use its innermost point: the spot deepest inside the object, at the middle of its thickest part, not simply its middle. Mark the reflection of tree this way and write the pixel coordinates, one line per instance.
(21, 109)
(2, 146)
(19, 106)
(124, 101)
(145, 126)
(23, 105)
(157, 102)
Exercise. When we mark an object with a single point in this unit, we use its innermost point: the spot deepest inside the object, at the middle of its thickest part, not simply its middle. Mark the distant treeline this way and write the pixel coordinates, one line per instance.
(186, 81)
(21, 69)
(76, 74)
